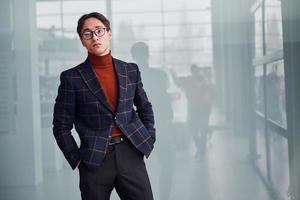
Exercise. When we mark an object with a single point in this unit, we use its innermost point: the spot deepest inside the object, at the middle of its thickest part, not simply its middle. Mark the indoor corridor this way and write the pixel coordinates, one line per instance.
(236, 57)
(224, 173)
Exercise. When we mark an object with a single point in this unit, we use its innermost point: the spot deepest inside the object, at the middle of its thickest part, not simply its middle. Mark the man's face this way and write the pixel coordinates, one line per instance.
(97, 45)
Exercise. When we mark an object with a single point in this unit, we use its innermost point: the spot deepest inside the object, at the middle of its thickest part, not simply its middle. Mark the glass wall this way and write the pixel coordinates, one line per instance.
(275, 93)
(8, 105)
(59, 45)
(203, 122)
(178, 34)
(271, 136)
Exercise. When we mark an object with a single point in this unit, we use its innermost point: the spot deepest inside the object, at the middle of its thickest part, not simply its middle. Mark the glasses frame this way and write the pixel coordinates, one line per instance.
(94, 33)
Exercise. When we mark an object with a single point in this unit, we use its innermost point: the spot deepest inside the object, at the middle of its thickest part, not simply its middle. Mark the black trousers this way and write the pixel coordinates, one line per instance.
(123, 169)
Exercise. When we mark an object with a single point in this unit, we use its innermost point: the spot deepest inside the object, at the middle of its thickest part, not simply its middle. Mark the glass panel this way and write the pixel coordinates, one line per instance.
(279, 164)
(152, 19)
(82, 7)
(258, 33)
(190, 17)
(7, 90)
(47, 22)
(273, 24)
(47, 8)
(275, 93)
(180, 4)
(261, 151)
(144, 6)
(124, 29)
(181, 29)
(259, 88)
(195, 30)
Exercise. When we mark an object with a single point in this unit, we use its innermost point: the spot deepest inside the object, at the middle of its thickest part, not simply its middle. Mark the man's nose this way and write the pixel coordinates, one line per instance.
(95, 37)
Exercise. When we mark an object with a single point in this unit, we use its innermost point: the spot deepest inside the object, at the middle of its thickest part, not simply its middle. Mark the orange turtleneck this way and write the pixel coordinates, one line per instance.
(105, 71)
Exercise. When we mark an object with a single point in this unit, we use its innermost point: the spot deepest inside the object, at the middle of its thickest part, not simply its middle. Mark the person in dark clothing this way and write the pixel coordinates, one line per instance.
(156, 84)
(104, 99)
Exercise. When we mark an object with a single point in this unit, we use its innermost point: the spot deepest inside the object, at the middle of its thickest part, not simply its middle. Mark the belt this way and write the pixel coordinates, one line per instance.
(116, 140)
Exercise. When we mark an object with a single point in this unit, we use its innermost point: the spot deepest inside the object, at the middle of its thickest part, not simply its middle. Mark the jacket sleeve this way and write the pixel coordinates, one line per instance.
(63, 119)
(143, 106)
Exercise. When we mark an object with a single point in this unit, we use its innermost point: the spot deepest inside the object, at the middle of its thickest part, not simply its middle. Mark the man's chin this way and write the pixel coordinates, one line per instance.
(102, 53)
(96, 53)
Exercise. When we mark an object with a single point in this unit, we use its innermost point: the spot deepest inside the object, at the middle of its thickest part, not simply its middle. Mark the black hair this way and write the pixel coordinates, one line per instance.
(96, 15)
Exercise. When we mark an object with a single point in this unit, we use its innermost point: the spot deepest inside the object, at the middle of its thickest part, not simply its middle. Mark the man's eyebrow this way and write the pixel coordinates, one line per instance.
(96, 27)
(86, 29)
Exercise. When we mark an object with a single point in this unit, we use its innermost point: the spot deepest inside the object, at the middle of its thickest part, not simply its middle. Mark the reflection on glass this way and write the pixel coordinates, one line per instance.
(178, 32)
(275, 93)
(259, 88)
(273, 24)
(279, 164)
(258, 33)
(261, 151)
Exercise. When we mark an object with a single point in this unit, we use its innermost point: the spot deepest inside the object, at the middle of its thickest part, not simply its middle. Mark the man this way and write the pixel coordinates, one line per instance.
(98, 97)
(200, 93)
(156, 83)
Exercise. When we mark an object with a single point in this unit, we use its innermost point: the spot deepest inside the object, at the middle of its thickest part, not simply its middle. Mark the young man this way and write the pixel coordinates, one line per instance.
(98, 97)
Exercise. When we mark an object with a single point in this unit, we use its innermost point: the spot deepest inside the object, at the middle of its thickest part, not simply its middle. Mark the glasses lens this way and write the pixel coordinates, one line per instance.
(87, 34)
(99, 32)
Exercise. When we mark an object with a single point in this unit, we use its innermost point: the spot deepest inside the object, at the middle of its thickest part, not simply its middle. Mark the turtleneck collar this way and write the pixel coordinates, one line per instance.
(105, 61)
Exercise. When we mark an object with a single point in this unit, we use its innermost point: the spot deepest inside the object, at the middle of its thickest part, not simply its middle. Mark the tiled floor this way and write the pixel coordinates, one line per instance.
(222, 174)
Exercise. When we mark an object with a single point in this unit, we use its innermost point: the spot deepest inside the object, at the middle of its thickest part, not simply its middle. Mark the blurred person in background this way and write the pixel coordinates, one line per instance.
(199, 91)
(98, 97)
(156, 84)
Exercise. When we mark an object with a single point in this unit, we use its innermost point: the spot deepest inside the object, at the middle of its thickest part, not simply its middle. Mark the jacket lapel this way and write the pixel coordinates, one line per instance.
(122, 80)
(91, 80)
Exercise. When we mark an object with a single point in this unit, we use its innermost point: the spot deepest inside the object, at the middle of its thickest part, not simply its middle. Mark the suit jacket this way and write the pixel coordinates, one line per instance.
(81, 102)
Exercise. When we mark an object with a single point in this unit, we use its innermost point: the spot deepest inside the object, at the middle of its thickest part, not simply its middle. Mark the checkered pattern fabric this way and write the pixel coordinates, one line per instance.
(81, 103)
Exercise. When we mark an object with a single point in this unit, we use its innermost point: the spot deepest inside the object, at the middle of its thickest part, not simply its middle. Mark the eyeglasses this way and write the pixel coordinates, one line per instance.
(87, 35)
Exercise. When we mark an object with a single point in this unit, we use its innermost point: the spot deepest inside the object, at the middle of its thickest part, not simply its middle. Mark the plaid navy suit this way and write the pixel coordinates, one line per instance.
(81, 102)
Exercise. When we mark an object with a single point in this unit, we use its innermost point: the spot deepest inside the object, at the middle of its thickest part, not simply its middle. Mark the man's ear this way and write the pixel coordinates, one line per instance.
(109, 34)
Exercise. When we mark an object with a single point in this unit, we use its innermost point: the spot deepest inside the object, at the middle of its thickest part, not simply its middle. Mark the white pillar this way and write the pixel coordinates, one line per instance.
(20, 145)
